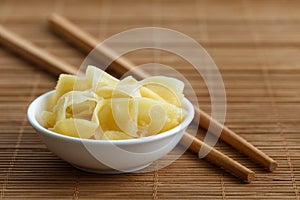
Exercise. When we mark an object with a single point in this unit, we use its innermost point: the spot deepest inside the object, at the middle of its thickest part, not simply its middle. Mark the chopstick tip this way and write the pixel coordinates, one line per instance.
(273, 165)
(53, 16)
(250, 177)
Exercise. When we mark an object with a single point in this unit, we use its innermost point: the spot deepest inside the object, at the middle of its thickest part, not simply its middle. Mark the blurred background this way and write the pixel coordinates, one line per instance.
(255, 44)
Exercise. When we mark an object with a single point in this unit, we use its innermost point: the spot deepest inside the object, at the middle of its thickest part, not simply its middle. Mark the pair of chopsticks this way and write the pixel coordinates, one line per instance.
(86, 43)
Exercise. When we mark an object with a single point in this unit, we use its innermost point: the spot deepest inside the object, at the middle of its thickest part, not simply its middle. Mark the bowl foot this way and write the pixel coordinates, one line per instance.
(111, 171)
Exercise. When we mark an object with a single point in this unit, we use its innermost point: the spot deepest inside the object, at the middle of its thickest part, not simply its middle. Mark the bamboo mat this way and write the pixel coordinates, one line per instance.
(255, 44)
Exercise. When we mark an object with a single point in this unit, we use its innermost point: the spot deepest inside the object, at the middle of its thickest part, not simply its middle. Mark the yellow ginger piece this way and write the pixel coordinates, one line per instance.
(79, 128)
(158, 116)
(103, 107)
(115, 135)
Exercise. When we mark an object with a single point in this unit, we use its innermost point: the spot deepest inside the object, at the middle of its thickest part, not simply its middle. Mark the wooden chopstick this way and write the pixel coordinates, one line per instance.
(31, 52)
(87, 43)
(216, 157)
(19, 45)
(237, 141)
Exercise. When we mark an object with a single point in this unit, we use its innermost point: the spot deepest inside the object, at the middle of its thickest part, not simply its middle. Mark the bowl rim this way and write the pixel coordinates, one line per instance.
(31, 115)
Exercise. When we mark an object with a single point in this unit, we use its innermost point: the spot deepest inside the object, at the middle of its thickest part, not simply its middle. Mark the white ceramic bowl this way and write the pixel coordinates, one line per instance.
(107, 156)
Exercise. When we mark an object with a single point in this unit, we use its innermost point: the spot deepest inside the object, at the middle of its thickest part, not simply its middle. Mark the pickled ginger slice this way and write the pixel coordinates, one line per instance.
(158, 119)
(128, 86)
(106, 118)
(78, 128)
(79, 103)
(67, 83)
(95, 119)
(49, 119)
(170, 89)
(98, 78)
(170, 115)
(147, 93)
(125, 114)
(115, 135)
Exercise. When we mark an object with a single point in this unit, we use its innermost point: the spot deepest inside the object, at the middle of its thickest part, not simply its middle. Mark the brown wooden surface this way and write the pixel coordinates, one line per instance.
(254, 43)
